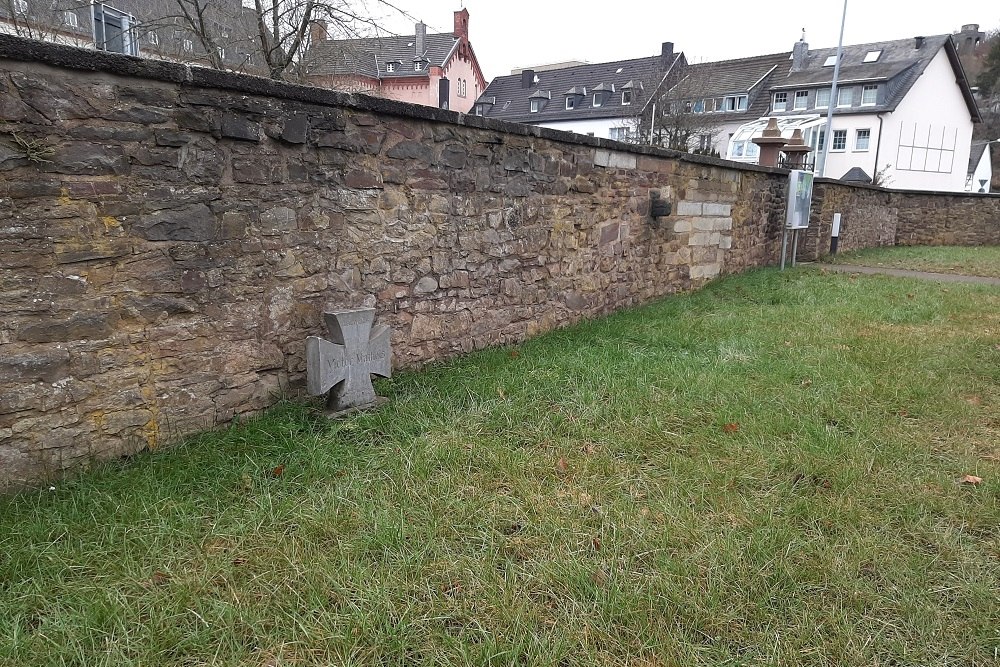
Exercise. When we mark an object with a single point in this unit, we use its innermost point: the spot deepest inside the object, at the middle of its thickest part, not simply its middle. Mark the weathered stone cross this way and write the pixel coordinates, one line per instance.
(347, 364)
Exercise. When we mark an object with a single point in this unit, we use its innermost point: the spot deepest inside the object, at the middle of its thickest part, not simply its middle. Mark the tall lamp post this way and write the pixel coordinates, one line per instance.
(827, 136)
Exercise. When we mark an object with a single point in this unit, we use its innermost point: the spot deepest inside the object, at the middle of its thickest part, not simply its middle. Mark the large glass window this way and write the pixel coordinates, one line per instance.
(801, 99)
(845, 97)
(822, 98)
(780, 102)
(869, 95)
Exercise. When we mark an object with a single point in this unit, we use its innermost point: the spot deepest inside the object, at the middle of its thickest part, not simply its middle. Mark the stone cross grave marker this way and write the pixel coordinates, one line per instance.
(346, 364)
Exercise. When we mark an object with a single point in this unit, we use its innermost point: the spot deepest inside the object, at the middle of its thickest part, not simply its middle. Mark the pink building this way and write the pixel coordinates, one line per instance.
(438, 70)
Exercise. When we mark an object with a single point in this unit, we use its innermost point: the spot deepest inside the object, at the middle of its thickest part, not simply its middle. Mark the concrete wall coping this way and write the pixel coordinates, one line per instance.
(903, 191)
(71, 57)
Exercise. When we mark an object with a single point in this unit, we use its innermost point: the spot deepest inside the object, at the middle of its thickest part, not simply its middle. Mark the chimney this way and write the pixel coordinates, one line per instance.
(918, 42)
(666, 53)
(419, 44)
(527, 78)
(462, 24)
(317, 32)
(800, 55)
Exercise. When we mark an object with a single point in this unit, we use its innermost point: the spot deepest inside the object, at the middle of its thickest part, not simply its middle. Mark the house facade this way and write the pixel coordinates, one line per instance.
(605, 100)
(980, 167)
(439, 70)
(903, 112)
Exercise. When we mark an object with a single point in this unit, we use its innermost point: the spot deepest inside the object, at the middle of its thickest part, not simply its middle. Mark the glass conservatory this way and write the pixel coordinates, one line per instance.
(742, 148)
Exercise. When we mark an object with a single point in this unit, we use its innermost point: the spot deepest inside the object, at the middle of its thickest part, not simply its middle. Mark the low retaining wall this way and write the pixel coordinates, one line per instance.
(171, 236)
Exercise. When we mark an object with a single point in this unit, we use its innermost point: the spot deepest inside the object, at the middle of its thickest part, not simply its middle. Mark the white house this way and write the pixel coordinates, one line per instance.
(904, 111)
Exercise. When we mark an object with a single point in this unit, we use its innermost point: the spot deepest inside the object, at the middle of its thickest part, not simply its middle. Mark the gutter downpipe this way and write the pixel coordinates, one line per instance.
(828, 134)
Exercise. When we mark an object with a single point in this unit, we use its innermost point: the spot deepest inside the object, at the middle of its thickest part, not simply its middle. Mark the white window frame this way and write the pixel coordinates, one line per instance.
(620, 133)
(597, 100)
(830, 61)
(869, 88)
(840, 97)
(873, 56)
(626, 97)
(153, 38)
(570, 103)
(222, 53)
(800, 95)
(867, 137)
(783, 102)
(188, 46)
(841, 134)
(825, 105)
(390, 67)
(535, 105)
(418, 66)
(71, 19)
(21, 7)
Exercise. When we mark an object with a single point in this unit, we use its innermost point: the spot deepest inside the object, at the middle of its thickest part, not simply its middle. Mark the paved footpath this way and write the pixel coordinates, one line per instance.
(906, 273)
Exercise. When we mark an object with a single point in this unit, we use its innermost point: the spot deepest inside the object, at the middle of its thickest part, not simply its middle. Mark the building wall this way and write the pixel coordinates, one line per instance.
(983, 172)
(461, 68)
(934, 96)
(840, 162)
(597, 127)
(161, 271)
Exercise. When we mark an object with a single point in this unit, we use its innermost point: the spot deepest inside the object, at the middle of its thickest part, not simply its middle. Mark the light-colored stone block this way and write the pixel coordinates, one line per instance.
(700, 238)
(689, 208)
(726, 242)
(704, 224)
(720, 210)
(614, 159)
(724, 224)
(682, 226)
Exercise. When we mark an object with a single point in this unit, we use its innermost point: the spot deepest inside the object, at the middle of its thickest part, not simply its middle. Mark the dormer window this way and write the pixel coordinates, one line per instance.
(570, 103)
(626, 97)
(419, 65)
(873, 56)
(390, 67)
(536, 106)
(598, 101)
(780, 102)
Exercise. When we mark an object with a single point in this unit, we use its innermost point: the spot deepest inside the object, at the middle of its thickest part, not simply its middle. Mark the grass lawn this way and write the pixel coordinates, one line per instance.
(762, 473)
(981, 261)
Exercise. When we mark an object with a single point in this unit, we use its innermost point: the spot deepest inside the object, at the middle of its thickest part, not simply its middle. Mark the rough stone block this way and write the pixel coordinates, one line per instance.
(240, 127)
(296, 129)
(700, 238)
(726, 242)
(187, 223)
(682, 226)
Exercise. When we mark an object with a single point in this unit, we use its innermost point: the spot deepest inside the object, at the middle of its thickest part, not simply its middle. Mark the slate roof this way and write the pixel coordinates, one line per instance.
(512, 99)
(900, 64)
(730, 77)
(370, 56)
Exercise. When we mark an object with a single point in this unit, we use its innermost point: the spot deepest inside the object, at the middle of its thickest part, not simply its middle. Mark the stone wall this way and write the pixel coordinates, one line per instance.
(179, 232)
(169, 237)
(941, 218)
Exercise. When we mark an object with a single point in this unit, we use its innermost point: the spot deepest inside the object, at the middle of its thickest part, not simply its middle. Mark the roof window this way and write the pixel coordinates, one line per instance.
(873, 56)
(830, 61)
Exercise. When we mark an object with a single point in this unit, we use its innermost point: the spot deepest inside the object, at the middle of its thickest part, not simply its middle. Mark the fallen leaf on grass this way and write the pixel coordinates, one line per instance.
(973, 400)
(514, 354)
(971, 480)
(731, 428)
(279, 471)
(807, 382)
(596, 543)
(561, 465)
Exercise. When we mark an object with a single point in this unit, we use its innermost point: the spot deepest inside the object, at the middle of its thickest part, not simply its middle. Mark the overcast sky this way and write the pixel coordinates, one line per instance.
(519, 33)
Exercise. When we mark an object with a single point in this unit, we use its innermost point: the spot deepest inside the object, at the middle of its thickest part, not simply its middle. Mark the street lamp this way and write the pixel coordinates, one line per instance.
(827, 139)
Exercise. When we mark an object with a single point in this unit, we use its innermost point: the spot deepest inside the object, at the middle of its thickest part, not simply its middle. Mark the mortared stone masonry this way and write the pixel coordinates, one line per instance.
(170, 236)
